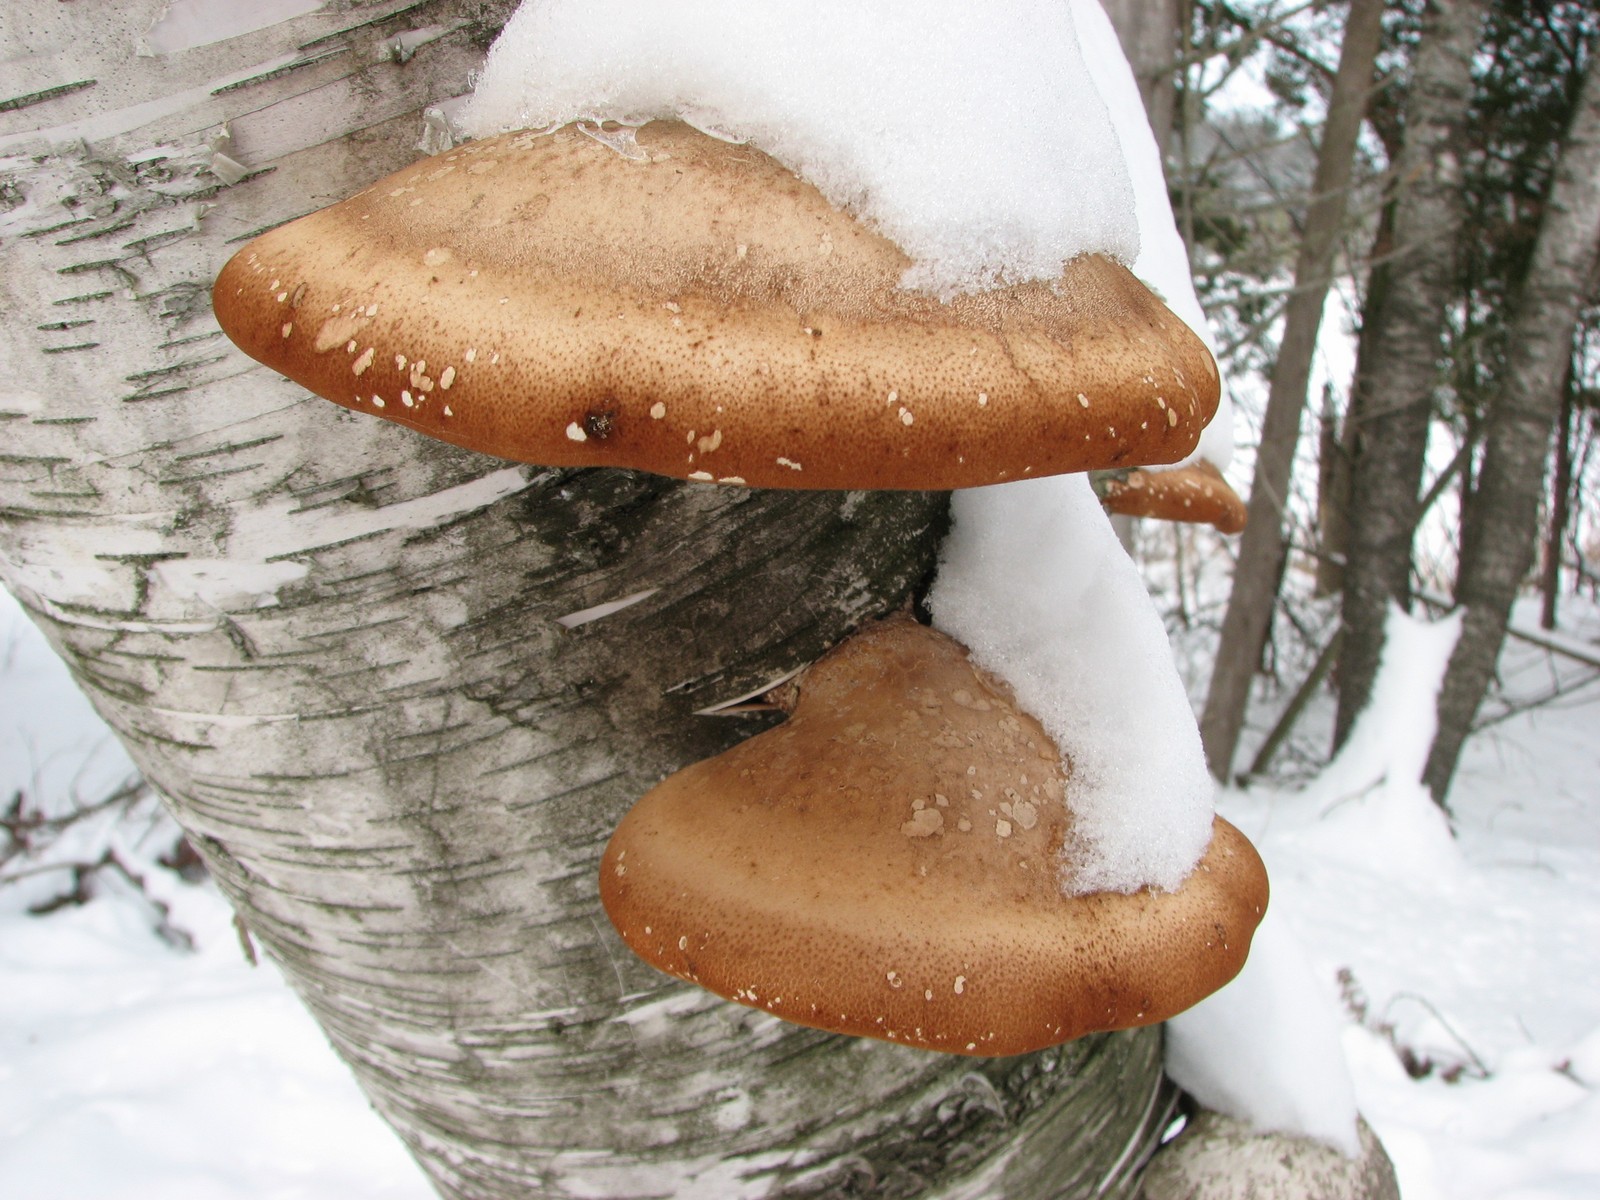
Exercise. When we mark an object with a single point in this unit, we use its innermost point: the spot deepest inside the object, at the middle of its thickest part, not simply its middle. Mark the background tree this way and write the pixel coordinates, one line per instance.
(1500, 531)
(1262, 548)
(1151, 33)
(1574, 441)
(1241, 191)
(1393, 398)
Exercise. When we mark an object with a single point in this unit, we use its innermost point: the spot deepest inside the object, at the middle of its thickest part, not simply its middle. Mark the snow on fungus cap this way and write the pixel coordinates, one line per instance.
(889, 863)
(1196, 494)
(675, 303)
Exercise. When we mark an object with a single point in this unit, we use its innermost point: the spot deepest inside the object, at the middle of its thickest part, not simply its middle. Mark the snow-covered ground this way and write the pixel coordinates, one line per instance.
(1475, 962)
(132, 1067)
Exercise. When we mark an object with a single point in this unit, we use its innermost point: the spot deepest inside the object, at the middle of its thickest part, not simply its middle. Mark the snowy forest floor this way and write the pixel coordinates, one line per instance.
(142, 1056)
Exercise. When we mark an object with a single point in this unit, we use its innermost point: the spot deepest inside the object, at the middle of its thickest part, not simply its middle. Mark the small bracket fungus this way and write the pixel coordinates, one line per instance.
(696, 310)
(1196, 493)
(890, 862)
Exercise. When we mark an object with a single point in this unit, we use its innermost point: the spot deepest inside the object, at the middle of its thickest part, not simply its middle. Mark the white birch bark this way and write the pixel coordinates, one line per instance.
(335, 648)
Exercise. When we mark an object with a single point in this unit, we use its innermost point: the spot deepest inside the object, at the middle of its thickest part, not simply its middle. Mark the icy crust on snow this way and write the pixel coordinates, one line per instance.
(971, 135)
(1034, 582)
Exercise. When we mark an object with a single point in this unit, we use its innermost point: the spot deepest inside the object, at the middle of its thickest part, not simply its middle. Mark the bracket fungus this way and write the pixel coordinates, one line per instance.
(1195, 493)
(889, 862)
(692, 308)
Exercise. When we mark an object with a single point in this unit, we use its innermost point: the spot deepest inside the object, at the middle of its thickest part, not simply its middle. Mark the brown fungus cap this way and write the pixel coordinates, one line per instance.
(699, 312)
(888, 863)
(1197, 494)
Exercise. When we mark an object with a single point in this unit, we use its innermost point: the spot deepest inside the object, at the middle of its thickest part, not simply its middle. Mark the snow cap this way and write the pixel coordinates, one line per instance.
(874, 104)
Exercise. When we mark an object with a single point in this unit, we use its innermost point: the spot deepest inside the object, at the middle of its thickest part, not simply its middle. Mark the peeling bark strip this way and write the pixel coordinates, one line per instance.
(338, 650)
(49, 93)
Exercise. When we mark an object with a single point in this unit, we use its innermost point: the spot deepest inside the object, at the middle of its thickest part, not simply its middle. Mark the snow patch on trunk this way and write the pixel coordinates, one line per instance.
(1370, 799)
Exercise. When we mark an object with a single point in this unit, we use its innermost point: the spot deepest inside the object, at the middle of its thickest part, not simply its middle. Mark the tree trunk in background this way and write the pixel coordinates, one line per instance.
(1333, 498)
(334, 646)
(1334, 495)
(1502, 526)
(1560, 505)
(1392, 397)
(1151, 33)
(1261, 550)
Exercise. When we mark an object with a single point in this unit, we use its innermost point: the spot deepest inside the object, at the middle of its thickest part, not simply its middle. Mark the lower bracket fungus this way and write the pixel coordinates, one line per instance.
(894, 861)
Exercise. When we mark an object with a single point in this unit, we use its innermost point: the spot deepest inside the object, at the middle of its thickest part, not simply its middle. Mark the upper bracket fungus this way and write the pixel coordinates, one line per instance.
(889, 863)
(694, 309)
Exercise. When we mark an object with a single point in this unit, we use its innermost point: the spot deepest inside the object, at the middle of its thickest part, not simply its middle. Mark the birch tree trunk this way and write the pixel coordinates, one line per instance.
(337, 650)
(1261, 549)
(1393, 396)
(1502, 526)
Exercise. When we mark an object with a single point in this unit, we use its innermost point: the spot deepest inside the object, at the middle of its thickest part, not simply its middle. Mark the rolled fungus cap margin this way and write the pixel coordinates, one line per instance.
(697, 311)
(889, 863)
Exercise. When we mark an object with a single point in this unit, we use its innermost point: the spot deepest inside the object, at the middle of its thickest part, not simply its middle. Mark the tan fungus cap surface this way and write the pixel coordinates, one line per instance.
(1196, 493)
(886, 863)
(701, 313)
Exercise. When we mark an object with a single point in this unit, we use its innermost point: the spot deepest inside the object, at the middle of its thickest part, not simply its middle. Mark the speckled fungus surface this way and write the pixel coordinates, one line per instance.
(689, 307)
(889, 863)
(1195, 493)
